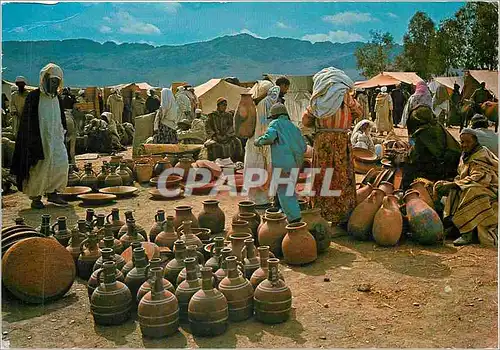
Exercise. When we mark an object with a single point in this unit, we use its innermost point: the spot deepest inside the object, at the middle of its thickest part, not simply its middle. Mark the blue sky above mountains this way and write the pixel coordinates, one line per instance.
(178, 23)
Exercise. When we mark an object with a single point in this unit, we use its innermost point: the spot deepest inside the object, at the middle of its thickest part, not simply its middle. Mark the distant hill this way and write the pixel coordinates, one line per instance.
(89, 63)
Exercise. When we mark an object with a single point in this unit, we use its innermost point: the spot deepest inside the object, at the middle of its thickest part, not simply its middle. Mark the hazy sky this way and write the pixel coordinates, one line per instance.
(179, 23)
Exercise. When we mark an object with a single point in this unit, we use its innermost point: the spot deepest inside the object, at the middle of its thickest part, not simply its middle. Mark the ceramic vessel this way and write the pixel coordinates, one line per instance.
(318, 227)
(129, 215)
(117, 245)
(114, 220)
(175, 266)
(222, 271)
(192, 252)
(109, 243)
(167, 236)
(76, 239)
(154, 263)
(143, 172)
(272, 232)
(89, 179)
(237, 237)
(123, 172)
(388, 222)
(129, 265)
(363, 192)
(215, 251)
(61, 231)
(425, 225)
(247, 207)
(186, 165)
(187, 288)
(101, 178)
(184, 213)
(160, 166)
(73, 177)
(138, 275)
(212, 217)
(250, 261)
(113, 179)
(361, 220)
(44, 228)
(89, 253)
(93, 282)
(253, 224)
(245, 117)
(188, 236)
(424, 195)
(131, 235)
(299, 246)
(387, 187)
(157, 226)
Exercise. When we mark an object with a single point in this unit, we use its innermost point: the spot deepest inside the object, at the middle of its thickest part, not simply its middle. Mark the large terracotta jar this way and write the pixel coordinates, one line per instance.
(188, 236)
(187, 288)
(424, 195)
(61, 231)
(186, 164)
(114, 220)
(272, 298)
(253, 224)
(425, 225)
(160, 166)
(167, 236)
(272, 232)
(212, 217)
(388, 222)
(154, 263)
(123, 172)
(117, 258)
(89, 253)
(93, 282)
(387, 187)
(158, 310)
(111, 302)
(208, 309)
(157, 226)
(175, 266)
(251, 260)
(361, 220)
(184, 213)
(215, 254)
(73, 177)
(247, 207)
(363, 192)
(238, 292)
(318, 227)
(237, 236)
(299, 246)
(132, 235)
(138, 275)
(245, 117)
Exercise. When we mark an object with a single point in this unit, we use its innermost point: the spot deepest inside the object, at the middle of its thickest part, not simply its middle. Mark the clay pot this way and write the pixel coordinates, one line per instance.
(261, 273)
(238, 292)
(186, 165)
(158, 310)
(272, 298)
(109, 243)
(89, 179)
(250, 261)
(187, 288)
(129, 265)
(111, 302)
(237, 236)
(187, 235)
(106, 255)
(73, 177)
(116, 244)
(132, 235)
(113, 179)
(114, 220)
(299, 246)
(130, 165)
(247, 207)
(44, 227)
(363, 192)
(76, 239)
(157, 226)
(363, 160)
(387, 187)
(184, 213)
(167, 236)
(361, 220)
(143, 172)
(212, 217)
(115, 160)
(222, 271)
(424, 195)
(98, 224)
(129, 215)
(89, 253)
(160, 166)
(123, 172)
(215, 251)
(61, 231)
(318, 227)
(175, 266)
(101, 178)
(146, 286)
(253, 224)
(388, 222)
(245, 117)
(425, 224)
(272, 232)
(192, 252)
(208, 309)
(138, 275)
(303, 205)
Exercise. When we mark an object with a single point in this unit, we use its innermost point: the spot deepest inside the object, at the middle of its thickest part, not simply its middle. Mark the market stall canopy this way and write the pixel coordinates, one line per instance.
(448, 82)
(389, 78)
(490, 77)
(209, 92)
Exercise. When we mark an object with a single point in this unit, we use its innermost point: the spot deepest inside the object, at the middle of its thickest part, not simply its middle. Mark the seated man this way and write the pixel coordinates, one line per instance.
(98, 135)
(471, 202)
(113, 132)
(191, 132)
(222, 142)
(486, 137)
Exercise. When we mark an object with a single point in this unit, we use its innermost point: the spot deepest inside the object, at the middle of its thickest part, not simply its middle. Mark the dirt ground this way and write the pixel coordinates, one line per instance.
(413, 296)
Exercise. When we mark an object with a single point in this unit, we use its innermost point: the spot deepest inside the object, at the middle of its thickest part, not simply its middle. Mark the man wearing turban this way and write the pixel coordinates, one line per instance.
(17, 101)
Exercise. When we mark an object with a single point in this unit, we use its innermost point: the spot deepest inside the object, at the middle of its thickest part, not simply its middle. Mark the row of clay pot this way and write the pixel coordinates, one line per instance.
(378, 215)
(110, 175)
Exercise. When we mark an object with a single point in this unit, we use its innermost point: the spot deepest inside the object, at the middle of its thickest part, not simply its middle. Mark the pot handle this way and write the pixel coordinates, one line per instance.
(84, 242)
(146, 272)
(201, 258)
(143, 234)
(107, 218)
(98, 277)
(54, 225)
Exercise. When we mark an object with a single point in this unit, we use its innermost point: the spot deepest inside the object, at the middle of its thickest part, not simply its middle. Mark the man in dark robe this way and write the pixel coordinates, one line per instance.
(152, 102)
(480, 96)
(284, 85)
(398, 104)
(454, 117)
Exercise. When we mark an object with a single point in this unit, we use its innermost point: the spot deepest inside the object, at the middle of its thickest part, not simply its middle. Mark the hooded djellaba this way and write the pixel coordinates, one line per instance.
(40, 161)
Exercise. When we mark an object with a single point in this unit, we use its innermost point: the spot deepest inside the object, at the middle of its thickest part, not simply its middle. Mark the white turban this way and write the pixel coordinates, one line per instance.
(384, 89)
(180, 88)
(54, 71)
(21, 79)
(197, 110)
(468, 131)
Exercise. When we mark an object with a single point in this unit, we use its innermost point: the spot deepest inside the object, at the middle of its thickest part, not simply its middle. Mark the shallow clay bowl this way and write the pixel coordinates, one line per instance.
(96, 198)
(152, 251)
(38, 270)
(120, 191)
(204, 190)
(155, 194)
(203, 234)
(173, 181)
(74, 191)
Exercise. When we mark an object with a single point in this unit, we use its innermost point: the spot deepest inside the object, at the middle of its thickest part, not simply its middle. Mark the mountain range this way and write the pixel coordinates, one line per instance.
(89, 63)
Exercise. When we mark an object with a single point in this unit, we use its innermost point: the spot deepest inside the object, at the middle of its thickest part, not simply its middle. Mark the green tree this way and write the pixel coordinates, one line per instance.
(374, 57)
(485, 34)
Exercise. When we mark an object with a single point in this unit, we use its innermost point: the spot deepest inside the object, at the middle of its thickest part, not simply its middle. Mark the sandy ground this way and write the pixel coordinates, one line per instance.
(439, 296)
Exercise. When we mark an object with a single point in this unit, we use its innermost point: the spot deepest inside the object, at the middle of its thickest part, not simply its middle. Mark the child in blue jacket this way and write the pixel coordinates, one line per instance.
(287, 152)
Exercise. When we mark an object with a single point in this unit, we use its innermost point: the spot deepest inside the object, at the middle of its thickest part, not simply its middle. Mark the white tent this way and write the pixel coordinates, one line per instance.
(449, 82)
(209, 92)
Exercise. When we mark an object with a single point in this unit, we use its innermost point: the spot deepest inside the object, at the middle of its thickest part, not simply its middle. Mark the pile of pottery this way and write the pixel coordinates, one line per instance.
(378, 215)
(117, 172)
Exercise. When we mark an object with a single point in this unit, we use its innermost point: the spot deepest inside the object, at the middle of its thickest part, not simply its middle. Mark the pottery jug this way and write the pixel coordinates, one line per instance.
(92, 283)
(160, 166)
(318, 227)
(143, 172)
(61, 232)
(388, 222)
(137, 276)
(387, 187)
(191, 252)
(76, 239)
(215, 251)
(425, 225)
(131, 236)
(247, 207)
(89, 253)
(272, 298)
(158, 310)
(250, 261)
(44, 227)
(187, 288)
(271, 212)
(114, 220)
(123, 172)
(299, 246)
(184, 213)
(101, 178)
(237, 237)
(363, 192)
(175, 266)
(140, 230)
(188, 236)
(424, 195)
(253, 224)
(98, 224)
(212, 217)
(154, 263)
(261, 273)
(116, 244)
(115, 160)
(157, 226)
(186, 165)
(89, 179)
(245, 117)
(238, 292)
(109, 243)
(361, 220)
(113, 179)
(129, 265)
(111, 302)
(208, 309)
(222, 271)
(167, 236)
(272, 232)
(73, 178)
